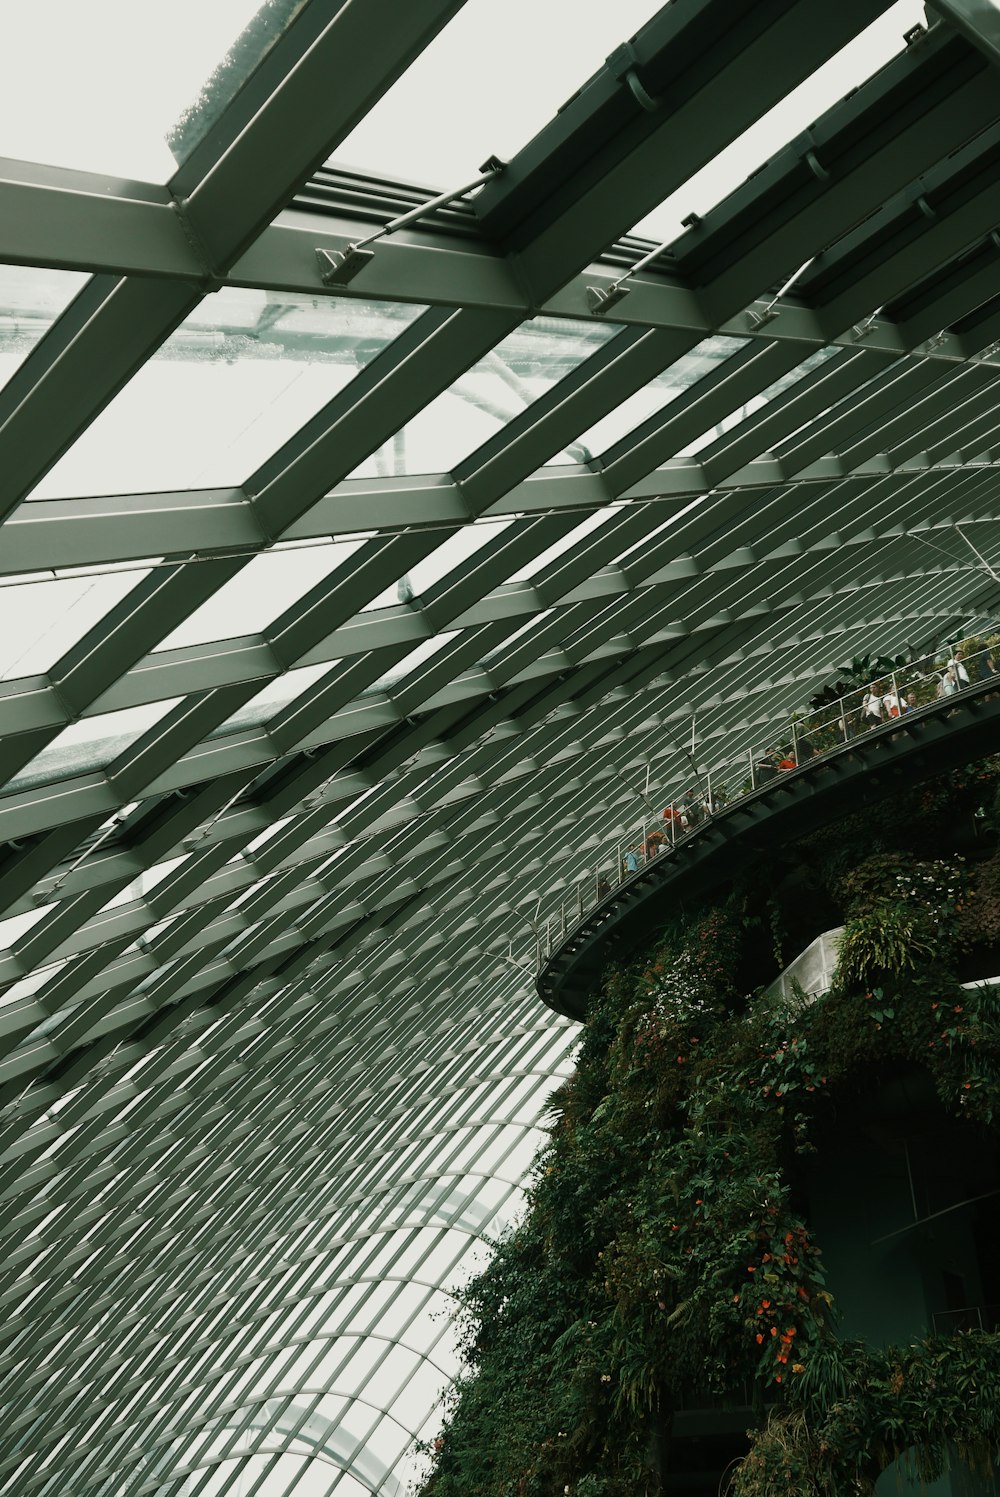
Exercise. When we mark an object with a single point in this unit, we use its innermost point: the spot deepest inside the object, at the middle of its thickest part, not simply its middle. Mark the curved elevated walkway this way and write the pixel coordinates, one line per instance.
(928, 742)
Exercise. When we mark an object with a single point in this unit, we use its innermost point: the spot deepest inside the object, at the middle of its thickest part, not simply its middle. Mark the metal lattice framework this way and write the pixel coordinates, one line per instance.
(341, 620)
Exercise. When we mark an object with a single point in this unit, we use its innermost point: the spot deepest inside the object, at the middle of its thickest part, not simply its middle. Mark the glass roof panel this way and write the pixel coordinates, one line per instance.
(115, 61)
(260, 593)
(90, 744)
(660, 392)
(517, 634)
(43, 615)
(239, 377)
(268, 702)
(643, 545)
(593, 521)
(846, 70)
(30, 301)
(759, 401)
(481, 402)
(424, 651)
(502, 102)
(445, 560)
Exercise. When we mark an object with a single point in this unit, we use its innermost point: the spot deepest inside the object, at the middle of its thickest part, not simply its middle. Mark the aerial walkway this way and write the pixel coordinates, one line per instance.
(829, 771)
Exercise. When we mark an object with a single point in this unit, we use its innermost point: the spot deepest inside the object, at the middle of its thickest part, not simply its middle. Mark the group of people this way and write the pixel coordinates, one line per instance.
(879, 706)
(688, 811)
(881, 702)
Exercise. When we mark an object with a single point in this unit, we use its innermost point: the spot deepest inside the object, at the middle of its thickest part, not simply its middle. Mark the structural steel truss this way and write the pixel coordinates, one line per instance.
(344, 618)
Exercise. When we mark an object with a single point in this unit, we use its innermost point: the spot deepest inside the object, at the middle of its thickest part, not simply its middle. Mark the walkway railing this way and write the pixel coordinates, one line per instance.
(791, 743)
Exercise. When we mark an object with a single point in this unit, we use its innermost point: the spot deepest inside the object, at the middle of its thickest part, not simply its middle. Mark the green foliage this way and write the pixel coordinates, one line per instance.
(663, 1256)
(864, 668)
(878, 1406)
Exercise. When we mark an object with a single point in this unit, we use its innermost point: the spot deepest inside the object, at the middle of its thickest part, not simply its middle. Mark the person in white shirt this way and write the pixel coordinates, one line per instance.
(890, 704)
(871, 707)
(957, 665)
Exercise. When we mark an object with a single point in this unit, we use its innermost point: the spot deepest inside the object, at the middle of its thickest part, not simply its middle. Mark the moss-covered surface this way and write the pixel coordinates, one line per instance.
(665, 1252)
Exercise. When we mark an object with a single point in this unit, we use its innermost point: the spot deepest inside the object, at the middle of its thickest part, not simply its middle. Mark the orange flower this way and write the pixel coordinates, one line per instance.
(759, 1338)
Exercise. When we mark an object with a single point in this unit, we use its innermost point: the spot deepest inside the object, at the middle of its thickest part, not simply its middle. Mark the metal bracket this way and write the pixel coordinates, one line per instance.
(757, 320)
(862, 329)
(623, 64)
(804, 146)
(339, 267)
(600, 301)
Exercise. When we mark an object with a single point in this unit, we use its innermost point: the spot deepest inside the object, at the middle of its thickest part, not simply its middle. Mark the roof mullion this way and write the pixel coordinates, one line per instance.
(736, 382)
(564, 198)
(937, 95)
(615, 371)
(897, 387)
(98, 343)
(320, 78)
(420, 363)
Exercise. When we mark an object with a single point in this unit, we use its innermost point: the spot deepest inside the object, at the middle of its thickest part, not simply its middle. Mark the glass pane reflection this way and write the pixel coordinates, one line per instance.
(30, 301)
(83, 70)
(511, 377)
(239, 377)
(92, 743)
(759, 401)
(43, 616)
(660, 392)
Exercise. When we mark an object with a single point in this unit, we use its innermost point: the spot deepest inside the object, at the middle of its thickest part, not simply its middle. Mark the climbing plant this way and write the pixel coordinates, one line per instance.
(664, 1256)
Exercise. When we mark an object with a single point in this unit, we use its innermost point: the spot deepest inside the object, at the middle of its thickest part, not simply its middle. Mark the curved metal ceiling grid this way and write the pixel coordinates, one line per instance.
(341, 624)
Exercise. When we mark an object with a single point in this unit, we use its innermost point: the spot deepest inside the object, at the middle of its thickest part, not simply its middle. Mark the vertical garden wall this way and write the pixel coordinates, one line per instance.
(765, 1213)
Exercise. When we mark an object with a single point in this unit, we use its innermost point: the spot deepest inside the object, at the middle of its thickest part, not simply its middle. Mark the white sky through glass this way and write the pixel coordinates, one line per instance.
(95, 86)
(504, 91)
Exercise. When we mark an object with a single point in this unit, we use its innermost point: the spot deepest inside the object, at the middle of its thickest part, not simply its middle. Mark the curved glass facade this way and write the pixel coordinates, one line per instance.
(349, 606)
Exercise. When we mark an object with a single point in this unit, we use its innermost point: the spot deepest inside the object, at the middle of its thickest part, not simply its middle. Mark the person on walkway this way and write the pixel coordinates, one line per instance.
(891, 704)
(767, 766)
(871, 707)
(674, 820)
(949, 683)
(692, 809)
(957, 664)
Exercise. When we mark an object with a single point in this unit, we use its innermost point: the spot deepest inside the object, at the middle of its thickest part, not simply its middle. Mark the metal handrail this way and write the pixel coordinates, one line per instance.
(802, 738)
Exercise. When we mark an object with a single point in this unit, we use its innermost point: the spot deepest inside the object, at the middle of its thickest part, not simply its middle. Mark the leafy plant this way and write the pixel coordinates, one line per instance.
(663, 1255)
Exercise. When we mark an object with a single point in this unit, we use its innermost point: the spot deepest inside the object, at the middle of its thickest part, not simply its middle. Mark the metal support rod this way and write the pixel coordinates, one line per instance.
(759, 319)
(600, 300)
(338, 267)
(795, 743)
(708, 784)
(975, 552)
(753, 776)
(109, 831)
